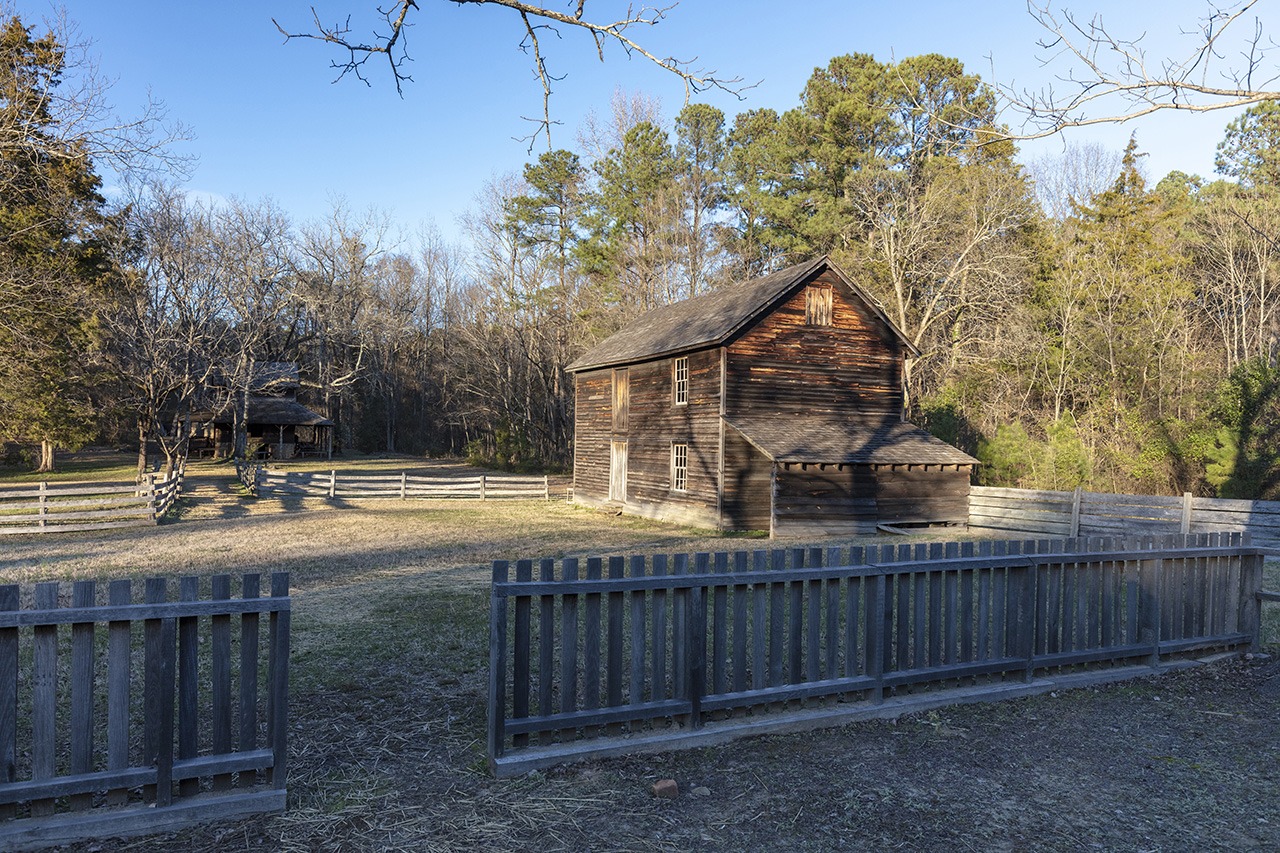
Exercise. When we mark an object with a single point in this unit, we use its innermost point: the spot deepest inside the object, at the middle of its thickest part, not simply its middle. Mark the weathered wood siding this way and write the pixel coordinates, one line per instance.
(592, 434)
(815, 500)
(654, 423)
(922, 493)
(747, 484)
(818, 500)
(783, 365)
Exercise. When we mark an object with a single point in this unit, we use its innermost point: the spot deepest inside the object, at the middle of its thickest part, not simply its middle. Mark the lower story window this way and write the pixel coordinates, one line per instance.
(679, 467)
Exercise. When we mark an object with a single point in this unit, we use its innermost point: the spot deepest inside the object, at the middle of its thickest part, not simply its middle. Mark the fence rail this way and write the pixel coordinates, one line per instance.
(1081, 513)
(680, 652)
(334, 485)
(62, 507)
(91, 756)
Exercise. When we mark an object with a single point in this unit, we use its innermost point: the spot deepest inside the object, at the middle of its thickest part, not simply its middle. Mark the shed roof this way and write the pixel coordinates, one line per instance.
(832, 439)
(269, 411)
(712, 318)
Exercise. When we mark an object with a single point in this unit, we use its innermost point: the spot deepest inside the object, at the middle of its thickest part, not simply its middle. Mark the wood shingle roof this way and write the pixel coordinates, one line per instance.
(710, 319)
(834, 439)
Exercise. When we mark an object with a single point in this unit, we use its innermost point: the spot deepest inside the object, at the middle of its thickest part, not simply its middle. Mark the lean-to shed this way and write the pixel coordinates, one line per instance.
(775, 404)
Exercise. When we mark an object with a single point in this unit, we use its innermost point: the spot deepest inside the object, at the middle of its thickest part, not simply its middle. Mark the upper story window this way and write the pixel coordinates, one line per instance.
(818, 306)
(680, 381)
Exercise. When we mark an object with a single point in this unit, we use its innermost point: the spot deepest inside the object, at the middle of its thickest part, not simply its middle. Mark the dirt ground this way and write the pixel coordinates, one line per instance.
(388, 698)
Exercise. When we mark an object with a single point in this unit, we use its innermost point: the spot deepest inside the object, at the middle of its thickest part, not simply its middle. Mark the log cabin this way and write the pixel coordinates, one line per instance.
(774, 404)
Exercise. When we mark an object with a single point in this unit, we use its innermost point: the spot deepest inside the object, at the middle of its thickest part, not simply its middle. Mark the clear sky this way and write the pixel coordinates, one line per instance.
(270, 121)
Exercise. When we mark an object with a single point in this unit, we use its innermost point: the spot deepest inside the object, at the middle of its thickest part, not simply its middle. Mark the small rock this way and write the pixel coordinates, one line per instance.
(666, 789)
(701, 791)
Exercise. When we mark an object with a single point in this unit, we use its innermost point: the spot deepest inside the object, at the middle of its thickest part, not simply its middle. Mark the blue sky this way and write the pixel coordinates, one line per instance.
(269, 121)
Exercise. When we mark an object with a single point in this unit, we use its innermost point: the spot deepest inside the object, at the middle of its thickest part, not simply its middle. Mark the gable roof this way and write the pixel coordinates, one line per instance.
(839, 439)
(712, 318)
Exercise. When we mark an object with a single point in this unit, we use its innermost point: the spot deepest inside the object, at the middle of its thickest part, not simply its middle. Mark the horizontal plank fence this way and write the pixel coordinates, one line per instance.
(336, 485)
(1081, 513)
(120, 717)
(64, 507)
(620, 655)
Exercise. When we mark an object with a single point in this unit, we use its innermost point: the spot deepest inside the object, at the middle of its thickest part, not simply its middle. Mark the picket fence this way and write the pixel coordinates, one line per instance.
(334, 485)
(631, 662)
(85, 754)
(1080, 513)
(63, 507)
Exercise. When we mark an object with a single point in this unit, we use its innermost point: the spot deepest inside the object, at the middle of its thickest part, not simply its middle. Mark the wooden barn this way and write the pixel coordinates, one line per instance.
(774, 404)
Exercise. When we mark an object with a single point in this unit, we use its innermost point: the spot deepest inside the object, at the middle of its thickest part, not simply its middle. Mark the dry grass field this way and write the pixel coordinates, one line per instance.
(387, 716)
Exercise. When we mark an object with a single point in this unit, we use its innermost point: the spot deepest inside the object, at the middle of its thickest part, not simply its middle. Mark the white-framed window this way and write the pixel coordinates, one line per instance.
(679, 467)
(680, 381)
(819, 306)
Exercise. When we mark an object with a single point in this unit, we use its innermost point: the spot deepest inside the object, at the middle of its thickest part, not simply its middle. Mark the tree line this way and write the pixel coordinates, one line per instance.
(1078, 323)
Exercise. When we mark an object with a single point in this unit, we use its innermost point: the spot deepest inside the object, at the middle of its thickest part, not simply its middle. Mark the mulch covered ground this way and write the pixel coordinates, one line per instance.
(1181, 761)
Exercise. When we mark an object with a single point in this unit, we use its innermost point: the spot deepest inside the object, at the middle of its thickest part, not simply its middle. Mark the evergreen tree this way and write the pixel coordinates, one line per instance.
(1250, 151)
(51, 261)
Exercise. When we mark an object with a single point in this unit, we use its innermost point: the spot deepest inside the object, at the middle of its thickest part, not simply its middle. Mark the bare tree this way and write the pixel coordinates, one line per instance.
(335, 263)
(1237, 262)
(945, 259)
(85, 124)
(1111, 78)
(163, 320)
(599, 134)
(391, 42)
(1072, 177)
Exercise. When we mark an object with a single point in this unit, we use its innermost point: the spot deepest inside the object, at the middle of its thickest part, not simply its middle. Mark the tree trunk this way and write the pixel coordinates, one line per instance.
(46, 457)
(144, 432)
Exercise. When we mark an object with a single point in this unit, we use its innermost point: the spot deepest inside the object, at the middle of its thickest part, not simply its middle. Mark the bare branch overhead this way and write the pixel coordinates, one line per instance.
(1111, 79)
(392, 43)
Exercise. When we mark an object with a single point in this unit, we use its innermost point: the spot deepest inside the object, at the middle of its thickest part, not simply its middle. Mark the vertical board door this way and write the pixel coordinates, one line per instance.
(618, 471)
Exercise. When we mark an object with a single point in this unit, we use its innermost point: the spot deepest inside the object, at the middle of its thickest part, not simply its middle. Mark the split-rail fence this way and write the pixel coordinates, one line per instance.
(46, 507)
(336, 485)
(1080, 513)
(661, 653)
(85, 753)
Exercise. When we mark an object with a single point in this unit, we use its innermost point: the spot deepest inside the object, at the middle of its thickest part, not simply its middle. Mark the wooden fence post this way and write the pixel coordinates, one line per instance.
(1151, 605)
(482, 489)
(188, 683)
(333, 484)
(44, 498)
(119, 654)
(497, 662)
(1184, 526)
(546, 487)
(278, 684)
(44, 696)
(251, 587)
(1027, 619)
(1076, 501)
(696, 647)
(1250, 615)
(82, 658)
(8, 696)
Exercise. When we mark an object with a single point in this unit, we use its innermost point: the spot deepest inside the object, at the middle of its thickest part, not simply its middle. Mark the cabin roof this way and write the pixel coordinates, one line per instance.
(712, 318)
(836, 439)
(268, 411)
